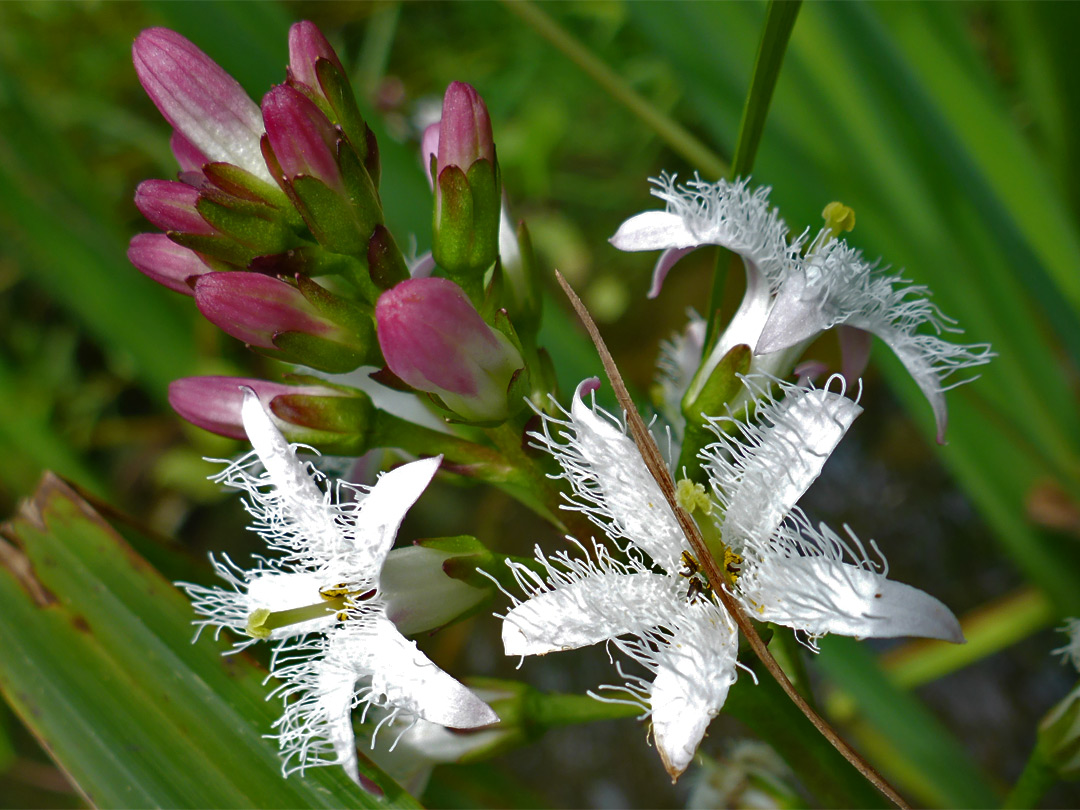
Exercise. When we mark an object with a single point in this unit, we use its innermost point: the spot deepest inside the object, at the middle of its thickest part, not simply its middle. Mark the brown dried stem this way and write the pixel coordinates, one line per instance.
(659, 470)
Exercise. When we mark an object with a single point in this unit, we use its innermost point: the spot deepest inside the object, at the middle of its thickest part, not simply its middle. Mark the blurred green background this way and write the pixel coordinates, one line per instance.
(949, 128)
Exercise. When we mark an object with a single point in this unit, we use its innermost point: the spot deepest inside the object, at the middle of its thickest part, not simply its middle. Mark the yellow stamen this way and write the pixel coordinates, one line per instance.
(839, 218)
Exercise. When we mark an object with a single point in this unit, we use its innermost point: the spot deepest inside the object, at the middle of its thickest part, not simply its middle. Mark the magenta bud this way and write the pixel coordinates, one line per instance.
(201, 101)
(303, 139)
(255, 308)
(160, 258)
(429, 148)
(465, 129)
(434, 339)
(213, 403)
(306, 46)
(170, 205)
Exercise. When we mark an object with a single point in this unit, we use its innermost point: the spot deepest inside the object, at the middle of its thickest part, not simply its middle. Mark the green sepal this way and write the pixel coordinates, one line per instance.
(328, 215)
(253, 225)
(347, 415)
(722, 386)
(316, 352)
(466, 220)
(354, 317)
(339, 95)
(244, 185)
(452, 221)
(215, 246)
(362, 192)
(311, 260)
(386, 265)
(485, 185)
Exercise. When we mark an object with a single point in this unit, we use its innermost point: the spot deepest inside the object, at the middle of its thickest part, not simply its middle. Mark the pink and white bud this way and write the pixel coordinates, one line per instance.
(434, 339)
(306, 46)
(170, 205)
(465, 129)
(429, 148)
(167, 263)
(201, 101)
(214, 403)
(303, 139)
(255, 308)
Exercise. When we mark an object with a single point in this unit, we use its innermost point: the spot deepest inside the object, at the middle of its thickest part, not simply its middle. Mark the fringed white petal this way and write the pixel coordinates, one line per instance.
(654, 230)
(405, 679)
(596, 606)
(836, 285)
(760, 471)
(612, 484)
(318, 689)
(694, 671)
(295, 498)
(384, 507)
(816, 582)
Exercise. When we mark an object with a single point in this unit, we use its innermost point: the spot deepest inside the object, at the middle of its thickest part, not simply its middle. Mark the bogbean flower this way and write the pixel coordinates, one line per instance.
(1070, 653)
(795, 290)
(655, 607)
(320, 596)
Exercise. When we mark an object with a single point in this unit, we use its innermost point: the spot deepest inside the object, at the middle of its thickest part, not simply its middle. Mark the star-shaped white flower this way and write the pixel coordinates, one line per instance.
(319, 596)
(791, 572)
(791, 297)
(666, 619)
(688, 644)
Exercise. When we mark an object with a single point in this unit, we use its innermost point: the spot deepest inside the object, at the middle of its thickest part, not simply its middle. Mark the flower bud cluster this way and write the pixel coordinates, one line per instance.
(275, 226)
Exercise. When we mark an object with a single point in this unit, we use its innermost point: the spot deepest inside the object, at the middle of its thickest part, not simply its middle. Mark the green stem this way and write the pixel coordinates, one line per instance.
(531, 485)
(779, 22)
(679, 139)
(1037, 777)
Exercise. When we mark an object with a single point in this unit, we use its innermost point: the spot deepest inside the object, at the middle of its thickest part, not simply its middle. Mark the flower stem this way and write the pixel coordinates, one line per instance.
(779, 22)
(1037, 777)
(670, 131)
(654, 460)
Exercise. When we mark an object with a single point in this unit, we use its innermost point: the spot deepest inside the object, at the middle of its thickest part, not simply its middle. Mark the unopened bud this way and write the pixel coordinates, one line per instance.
(303, 139)
(166, 262)
(171, 206)
(199, 99)
(307, 45)
(272, 314)
(467, 186)
(333, 419)
(434, 339)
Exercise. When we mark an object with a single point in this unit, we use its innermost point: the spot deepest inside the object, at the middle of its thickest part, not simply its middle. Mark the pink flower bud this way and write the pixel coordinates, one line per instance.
(254, 308)
(306, 46)
(429, 148)
(303, 139)
(157, 256)
(434, 339)
(465, 129)
(201, 101)
(213, 403)
(170, 205)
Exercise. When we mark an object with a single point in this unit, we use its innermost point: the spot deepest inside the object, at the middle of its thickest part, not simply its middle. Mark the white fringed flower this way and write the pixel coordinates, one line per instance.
(319, 594)
(660, 613)
(685, 641)
(791, 298)
(791, 572)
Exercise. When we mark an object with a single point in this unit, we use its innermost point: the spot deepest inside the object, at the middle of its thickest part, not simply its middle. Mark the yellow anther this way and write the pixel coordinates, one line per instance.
(839, 218)
(329, 592)
(732, 565)
(691, 496)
